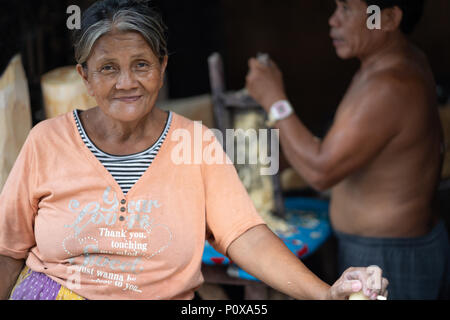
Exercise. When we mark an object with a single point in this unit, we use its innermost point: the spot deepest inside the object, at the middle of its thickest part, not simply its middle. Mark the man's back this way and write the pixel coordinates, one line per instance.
(391, 195)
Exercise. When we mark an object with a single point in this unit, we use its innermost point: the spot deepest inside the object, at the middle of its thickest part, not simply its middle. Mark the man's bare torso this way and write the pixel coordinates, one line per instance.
(391, 196)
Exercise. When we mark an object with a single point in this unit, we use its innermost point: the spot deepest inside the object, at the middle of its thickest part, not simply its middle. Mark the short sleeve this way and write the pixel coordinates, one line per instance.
(229, 210)
(17, 207)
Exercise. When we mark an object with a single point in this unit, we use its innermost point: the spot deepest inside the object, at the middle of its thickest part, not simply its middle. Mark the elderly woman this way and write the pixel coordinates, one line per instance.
(97, 208)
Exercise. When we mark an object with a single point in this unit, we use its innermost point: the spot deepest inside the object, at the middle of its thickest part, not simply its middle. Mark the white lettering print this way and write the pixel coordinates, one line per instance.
(129, 245)
(96, 243)
(96, 213)
(132, 287)
(105, 232)
(139, 235)
(78, 244)
(92, 259)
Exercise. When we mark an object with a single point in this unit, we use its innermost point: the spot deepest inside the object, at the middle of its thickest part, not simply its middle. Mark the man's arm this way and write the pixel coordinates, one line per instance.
(366, 123)
(356, 137)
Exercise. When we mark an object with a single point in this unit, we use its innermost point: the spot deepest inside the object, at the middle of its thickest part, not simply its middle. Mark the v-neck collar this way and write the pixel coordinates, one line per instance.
(104, 173)
(128, 156)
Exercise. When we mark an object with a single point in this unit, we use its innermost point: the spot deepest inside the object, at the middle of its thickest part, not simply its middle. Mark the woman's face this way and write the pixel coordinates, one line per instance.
(124, 75)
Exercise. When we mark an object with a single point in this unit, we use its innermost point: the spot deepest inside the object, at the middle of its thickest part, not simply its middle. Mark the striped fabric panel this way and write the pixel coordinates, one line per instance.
(126, 170)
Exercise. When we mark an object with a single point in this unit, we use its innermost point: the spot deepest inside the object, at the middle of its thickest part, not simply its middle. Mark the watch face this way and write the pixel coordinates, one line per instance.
(281, 108)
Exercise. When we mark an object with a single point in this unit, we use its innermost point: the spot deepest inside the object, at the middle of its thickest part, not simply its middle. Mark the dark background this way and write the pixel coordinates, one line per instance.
(293, 32)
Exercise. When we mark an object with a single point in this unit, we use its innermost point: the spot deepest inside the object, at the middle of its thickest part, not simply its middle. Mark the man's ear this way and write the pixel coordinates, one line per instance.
(391, 18)
(83, 73)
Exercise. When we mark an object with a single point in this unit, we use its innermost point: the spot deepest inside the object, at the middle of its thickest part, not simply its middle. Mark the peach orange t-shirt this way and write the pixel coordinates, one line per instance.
(63, 212)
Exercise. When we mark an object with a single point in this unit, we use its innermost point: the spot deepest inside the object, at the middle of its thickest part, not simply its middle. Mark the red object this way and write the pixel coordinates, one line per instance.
(302, 251)
(217, 260)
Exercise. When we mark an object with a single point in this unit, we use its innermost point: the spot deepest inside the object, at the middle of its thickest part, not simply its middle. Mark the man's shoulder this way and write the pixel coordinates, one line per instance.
(396, 88)
(385, 96)
(393, 81)
(405, 79)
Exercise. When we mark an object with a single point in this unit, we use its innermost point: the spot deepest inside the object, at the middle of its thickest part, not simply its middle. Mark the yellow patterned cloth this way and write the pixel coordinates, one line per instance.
(66, 294)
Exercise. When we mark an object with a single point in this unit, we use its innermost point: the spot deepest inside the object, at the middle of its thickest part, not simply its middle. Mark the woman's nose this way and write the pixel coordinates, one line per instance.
(125, 80)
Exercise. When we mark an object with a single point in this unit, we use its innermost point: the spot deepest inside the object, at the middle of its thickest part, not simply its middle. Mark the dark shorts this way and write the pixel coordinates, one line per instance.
(417, 268)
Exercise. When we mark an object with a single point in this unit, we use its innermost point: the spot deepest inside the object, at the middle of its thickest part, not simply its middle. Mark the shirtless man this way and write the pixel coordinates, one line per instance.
(382, 156)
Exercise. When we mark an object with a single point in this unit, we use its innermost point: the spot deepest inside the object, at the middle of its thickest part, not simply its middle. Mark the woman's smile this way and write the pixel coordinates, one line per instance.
(128, 99)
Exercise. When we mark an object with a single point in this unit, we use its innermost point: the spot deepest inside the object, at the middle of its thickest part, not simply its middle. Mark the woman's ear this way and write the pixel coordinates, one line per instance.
(83, 74)
(164, 65)
(391, 18)
(163, 69)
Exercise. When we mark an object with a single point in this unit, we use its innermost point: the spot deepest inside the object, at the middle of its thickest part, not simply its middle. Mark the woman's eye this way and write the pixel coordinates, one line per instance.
(107, 68)
(142, 65)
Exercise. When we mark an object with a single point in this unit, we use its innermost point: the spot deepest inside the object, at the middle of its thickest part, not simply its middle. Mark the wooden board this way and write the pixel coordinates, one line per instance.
(197, 108)
(15, 115)
(63, 90)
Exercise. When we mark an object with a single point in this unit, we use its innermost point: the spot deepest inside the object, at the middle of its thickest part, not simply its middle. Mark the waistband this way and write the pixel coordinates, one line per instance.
(439, 230)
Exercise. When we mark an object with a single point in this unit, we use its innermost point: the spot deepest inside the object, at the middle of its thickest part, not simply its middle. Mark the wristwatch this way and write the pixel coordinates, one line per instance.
(278, 111)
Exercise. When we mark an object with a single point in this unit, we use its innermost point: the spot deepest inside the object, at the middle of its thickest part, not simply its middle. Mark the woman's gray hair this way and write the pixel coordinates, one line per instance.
(123, 15)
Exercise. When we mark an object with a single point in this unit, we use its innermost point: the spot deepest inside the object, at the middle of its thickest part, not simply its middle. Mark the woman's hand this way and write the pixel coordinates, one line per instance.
(368, 280)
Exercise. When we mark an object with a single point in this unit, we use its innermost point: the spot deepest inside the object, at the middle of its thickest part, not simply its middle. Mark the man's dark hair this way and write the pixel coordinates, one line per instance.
(412, 11)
